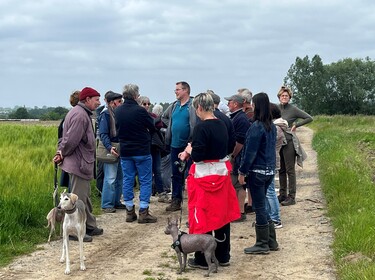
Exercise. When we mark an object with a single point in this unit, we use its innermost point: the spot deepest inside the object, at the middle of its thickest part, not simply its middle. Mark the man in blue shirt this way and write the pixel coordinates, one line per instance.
(180, 119)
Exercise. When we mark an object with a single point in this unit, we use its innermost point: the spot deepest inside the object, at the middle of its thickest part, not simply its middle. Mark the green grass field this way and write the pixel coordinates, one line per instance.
(26, 186)
(346, 160)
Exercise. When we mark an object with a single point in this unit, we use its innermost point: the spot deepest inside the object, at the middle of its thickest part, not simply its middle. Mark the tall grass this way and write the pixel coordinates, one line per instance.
(26, 186)
(346, 154)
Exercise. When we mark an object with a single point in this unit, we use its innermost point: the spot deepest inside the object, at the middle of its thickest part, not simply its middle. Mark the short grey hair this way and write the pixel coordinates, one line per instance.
(131, 91)
(246, 94)
(158, 110)
(205, 100)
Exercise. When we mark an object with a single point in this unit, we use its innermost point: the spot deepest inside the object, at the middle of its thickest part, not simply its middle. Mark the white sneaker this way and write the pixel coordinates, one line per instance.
(277, 224)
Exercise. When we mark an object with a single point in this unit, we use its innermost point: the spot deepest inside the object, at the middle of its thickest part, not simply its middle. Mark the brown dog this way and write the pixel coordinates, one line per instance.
(184, 243)
(54, 216)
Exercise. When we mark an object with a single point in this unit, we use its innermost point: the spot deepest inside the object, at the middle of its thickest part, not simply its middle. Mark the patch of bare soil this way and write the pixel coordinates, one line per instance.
(127, 250)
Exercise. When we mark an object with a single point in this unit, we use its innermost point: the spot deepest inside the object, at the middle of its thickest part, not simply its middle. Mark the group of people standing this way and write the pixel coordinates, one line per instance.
(226, 155)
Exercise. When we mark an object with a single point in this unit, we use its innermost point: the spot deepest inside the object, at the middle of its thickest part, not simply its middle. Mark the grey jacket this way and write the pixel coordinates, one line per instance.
(77, 144)
(166, 118)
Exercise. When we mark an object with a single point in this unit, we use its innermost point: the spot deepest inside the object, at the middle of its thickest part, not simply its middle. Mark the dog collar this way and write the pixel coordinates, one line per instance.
(71, 211)
(177, 243)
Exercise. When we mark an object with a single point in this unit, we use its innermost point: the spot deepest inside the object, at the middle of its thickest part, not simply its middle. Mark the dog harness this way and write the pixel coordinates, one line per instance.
(177, 243)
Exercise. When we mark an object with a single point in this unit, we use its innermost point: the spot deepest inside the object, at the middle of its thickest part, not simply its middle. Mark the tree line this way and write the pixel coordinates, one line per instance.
(344, 87)
(45, 113)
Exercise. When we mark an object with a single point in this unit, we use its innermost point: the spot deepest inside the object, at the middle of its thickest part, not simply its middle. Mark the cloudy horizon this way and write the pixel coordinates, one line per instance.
(51, 48)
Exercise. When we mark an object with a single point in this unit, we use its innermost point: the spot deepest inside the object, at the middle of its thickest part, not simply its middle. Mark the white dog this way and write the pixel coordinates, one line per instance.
(75, 224)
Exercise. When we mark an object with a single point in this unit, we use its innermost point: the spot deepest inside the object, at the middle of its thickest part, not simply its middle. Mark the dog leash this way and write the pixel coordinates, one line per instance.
(56, 186)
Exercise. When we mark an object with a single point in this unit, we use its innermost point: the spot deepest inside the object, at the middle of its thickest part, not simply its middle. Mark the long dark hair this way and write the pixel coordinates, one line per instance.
(262, 110)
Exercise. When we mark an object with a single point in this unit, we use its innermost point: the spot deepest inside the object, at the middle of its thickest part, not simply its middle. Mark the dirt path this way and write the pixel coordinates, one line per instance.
(127, 250)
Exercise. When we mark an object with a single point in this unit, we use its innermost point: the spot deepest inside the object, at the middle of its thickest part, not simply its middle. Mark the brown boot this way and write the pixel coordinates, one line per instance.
(145, 217)
(174, 206)
(130, 215)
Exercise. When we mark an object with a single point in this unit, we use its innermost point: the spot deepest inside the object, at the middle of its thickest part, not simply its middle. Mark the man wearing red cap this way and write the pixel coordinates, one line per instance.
(76, 153)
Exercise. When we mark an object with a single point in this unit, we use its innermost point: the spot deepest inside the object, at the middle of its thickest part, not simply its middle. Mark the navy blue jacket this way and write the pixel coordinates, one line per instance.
(134, 128)
(259, 151)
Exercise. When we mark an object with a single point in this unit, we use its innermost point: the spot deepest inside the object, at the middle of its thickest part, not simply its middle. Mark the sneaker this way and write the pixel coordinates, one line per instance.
(174, 206)
(193, 264)
(145, 217)
(109, 210)
(240, 219)
(86, 238)
(289, 201)
(94, 231)
(120, 206)
(163, 197)
(224, 264)
(277, 224)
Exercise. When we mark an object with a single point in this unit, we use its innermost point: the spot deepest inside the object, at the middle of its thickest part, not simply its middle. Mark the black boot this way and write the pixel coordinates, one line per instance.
(272, 242)
(262, 237)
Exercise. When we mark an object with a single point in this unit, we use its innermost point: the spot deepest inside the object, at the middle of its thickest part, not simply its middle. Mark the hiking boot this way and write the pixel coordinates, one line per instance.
(163, 197)
(145, 217)
(240, 219)
(174, 206)
(94, 231)
(281, 198)
(289, 201)
(86, 238)
(130, 215)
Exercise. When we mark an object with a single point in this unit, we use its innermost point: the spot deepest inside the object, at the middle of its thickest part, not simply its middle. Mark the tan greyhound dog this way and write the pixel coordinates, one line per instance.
(75, 224)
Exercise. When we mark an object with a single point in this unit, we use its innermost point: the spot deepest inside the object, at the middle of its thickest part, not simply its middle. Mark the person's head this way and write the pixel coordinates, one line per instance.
(113, 99)
(182, 91)
(247, 95)
(90, 97)
(157, 110)
(131, 91)
(215, 97)
(203, 103)
(262, 111)
(144, 101)
(284, 95)
(74, 98)
(275, 111)
(235, 102)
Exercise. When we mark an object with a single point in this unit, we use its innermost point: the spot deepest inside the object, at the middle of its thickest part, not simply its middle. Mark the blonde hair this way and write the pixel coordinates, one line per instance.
(285, 89)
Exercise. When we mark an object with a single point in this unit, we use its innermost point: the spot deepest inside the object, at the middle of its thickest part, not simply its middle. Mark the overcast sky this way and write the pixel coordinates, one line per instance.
(50, 48)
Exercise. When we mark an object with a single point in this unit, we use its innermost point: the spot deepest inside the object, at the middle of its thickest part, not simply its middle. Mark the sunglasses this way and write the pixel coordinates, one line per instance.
(146, 104)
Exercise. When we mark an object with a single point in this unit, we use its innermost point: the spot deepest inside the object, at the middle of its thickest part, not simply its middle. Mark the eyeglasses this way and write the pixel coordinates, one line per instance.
(178, 89)
(146, 104)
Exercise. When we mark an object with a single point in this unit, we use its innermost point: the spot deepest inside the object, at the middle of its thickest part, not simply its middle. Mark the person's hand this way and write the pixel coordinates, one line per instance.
(241, 179)
(294, 128)
(114, 152)
(58, 158)
(183, 155)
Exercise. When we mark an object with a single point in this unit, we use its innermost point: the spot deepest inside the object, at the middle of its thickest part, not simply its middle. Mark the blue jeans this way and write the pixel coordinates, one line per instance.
(272, 204)
(177, 176)
(156, 169)
(258, 185)
(112, 185)
(141, 165)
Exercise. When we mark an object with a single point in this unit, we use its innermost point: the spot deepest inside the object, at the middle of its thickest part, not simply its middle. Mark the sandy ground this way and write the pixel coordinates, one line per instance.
(136, 251)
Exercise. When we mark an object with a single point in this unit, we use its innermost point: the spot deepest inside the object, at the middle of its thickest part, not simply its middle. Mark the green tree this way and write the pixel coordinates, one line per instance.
(343, 87)
(20, 113)
(307, 80)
